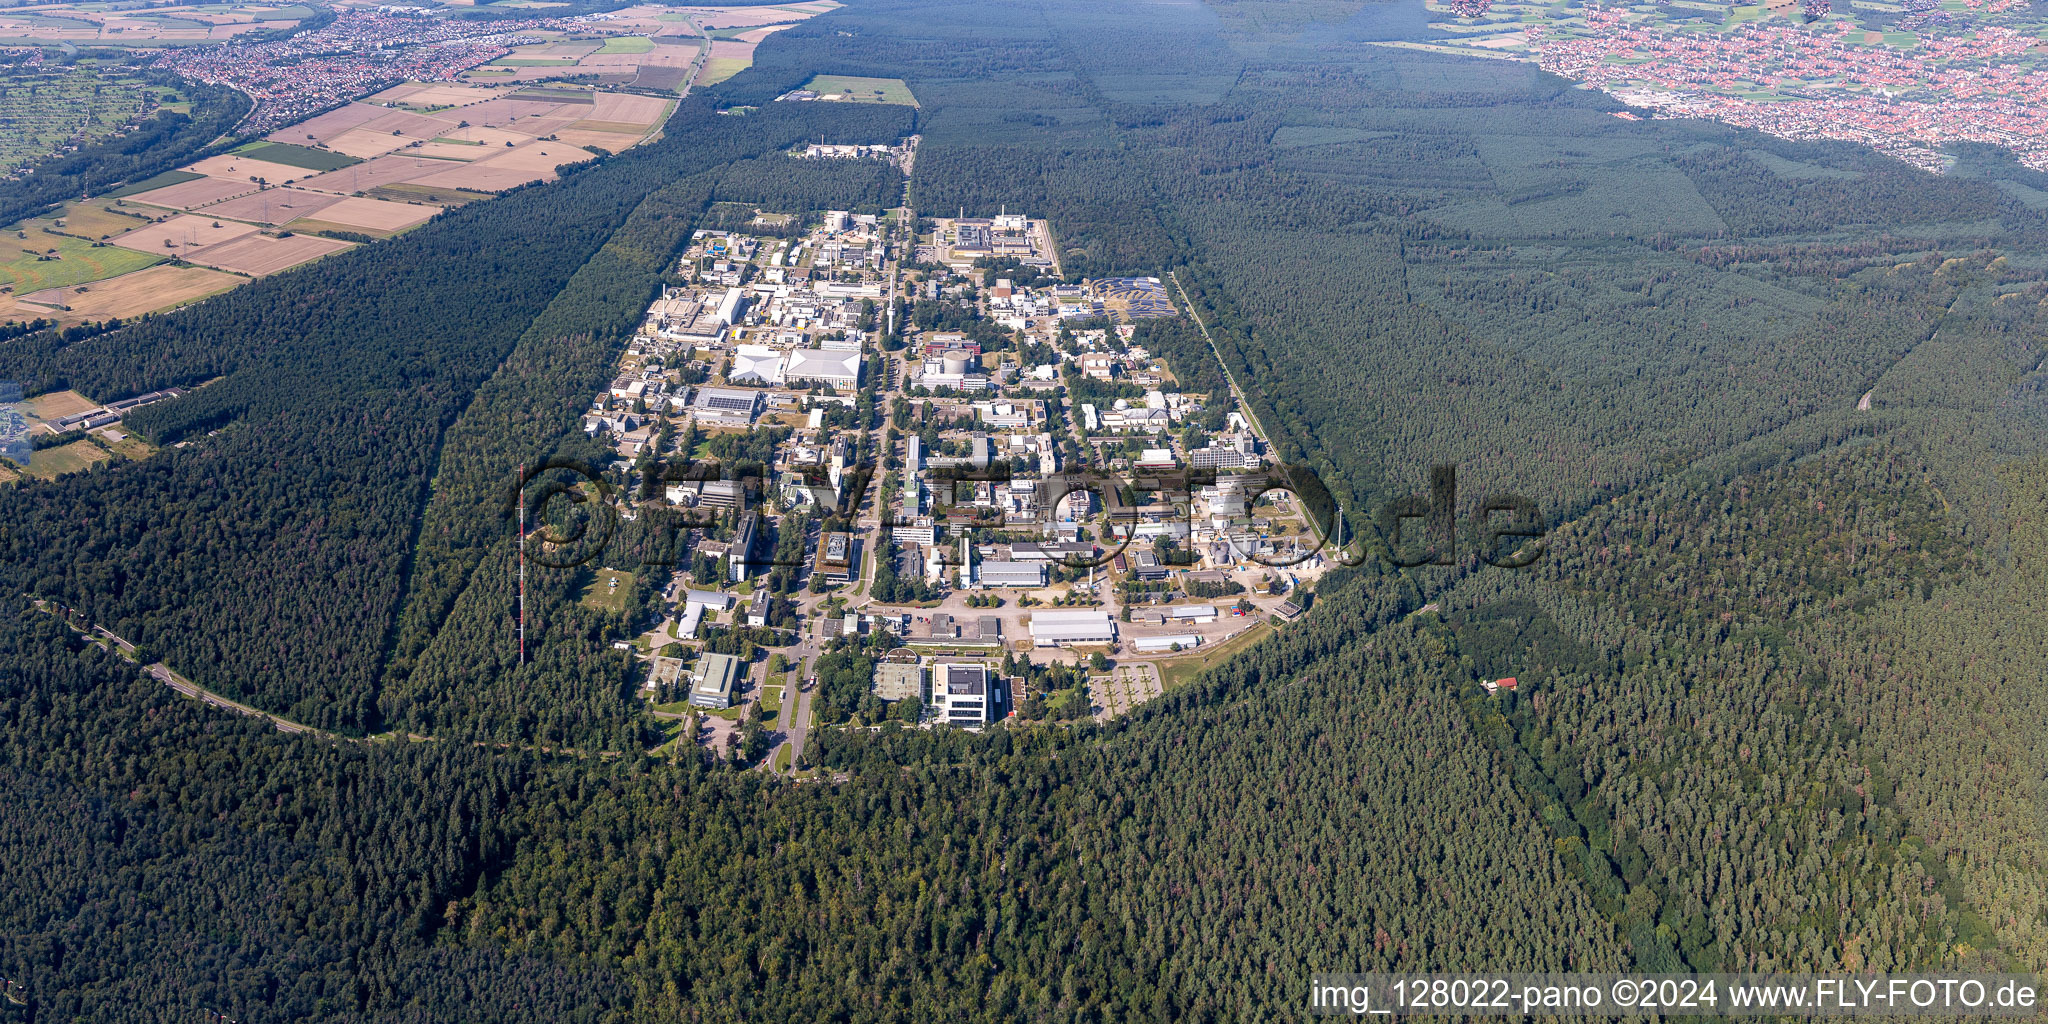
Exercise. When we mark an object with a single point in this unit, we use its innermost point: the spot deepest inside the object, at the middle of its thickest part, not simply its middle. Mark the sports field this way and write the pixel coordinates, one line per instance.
(55, 261)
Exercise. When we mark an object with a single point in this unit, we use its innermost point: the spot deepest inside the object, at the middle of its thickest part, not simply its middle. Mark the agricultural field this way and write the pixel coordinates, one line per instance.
(178, 25)
(182, 236)
(371, 168)
(150, 290)
(295, 156)
(193, 193)
(853, 89)
(44, 260)
(50, 106)
(258, 254)
(93, 221)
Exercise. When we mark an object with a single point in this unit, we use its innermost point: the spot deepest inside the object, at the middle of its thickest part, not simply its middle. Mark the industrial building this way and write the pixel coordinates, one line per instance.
(819, 366)
(755, 364)
(1156, 644)
(1011, 574)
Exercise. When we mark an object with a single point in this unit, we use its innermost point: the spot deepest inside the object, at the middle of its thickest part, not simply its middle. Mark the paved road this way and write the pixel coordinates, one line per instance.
(796, 705)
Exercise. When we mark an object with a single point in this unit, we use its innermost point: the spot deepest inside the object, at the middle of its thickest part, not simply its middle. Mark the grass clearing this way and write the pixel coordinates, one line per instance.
(609, 591)
(718, 69)
(51, 463)
(855, 89)
(1184, 669)
(31, 265)
(128, 446)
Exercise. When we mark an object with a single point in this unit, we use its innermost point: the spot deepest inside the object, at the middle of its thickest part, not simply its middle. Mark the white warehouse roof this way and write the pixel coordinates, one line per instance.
(821, 365)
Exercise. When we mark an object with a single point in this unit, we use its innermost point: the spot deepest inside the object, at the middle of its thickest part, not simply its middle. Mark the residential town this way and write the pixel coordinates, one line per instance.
(907, 423)
(1904, 79)
(359, 52)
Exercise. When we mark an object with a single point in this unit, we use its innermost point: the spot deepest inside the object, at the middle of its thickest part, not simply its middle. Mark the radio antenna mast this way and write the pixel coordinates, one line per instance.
(522, 564)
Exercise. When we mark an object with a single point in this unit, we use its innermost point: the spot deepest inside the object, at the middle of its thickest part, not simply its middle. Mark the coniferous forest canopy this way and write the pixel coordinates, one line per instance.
(1780, 703)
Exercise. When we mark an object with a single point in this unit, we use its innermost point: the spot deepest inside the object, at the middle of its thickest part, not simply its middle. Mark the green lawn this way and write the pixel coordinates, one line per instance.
(24, 268)
(627, 44)
(864, 90)
(782, 758)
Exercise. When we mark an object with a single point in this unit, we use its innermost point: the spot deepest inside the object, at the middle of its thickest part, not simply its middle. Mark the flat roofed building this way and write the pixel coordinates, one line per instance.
(1222, 458)
(1061, 628)
(838, 558)
(1192, 613)
(962, 694)
(1155, 644)
(726, 405)
(711, 682)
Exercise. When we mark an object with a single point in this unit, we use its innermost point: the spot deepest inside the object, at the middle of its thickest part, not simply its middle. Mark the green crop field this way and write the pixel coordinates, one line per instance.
(158, 181)
(436, 194)
(296, 156)
(864, 90)
(30, 264)
(627, 44)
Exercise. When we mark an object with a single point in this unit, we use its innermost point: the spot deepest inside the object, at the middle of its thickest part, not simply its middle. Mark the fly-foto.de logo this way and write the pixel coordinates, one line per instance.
(1277, 517)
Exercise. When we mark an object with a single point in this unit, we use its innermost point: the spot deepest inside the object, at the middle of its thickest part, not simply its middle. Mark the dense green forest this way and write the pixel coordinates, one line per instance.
(1777, 702)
